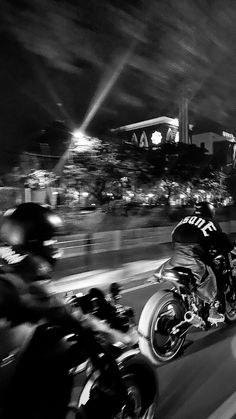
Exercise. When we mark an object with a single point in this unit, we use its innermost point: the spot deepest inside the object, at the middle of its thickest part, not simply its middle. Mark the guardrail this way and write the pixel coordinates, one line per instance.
(82, 244)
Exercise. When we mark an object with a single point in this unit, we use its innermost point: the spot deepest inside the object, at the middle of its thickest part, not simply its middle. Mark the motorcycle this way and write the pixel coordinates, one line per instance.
(46, 373)
(177, 307)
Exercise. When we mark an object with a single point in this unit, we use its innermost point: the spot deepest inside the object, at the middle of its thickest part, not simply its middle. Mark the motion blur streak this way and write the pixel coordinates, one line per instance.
(112, 75)
(105, 87)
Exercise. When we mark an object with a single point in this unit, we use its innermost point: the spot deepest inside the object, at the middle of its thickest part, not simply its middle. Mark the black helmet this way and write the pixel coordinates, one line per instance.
(30, 228)
(205, 209)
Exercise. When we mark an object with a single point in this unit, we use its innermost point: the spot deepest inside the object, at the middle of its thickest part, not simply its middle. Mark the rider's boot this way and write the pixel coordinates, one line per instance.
(214, 316)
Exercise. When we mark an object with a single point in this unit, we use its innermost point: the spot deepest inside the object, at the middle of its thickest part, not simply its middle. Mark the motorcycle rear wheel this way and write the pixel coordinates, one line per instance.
(161, 312)
(230, 311)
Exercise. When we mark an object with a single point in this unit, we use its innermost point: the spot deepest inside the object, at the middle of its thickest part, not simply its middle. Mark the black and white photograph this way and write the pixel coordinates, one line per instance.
(118, 209)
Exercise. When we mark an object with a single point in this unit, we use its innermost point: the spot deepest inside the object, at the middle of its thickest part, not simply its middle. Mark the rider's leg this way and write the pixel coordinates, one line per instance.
(208, 289)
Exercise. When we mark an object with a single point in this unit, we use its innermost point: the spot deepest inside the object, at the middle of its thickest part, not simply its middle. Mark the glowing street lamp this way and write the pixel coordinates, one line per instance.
(81, 143)
(77, 134)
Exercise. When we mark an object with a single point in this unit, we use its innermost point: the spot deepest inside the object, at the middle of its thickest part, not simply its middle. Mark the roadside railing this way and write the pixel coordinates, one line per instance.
(90, 243)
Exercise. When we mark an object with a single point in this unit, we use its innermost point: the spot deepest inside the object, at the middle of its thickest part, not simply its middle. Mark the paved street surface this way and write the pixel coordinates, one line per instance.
(129, 273)
(201, 383)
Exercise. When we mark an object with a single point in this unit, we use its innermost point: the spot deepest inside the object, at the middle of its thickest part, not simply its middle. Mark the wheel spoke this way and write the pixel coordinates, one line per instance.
(165, 344)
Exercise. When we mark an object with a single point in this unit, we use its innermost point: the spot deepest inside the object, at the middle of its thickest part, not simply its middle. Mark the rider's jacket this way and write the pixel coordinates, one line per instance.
(200, 234)
(192, 239)
(22, 300)
(25, 301)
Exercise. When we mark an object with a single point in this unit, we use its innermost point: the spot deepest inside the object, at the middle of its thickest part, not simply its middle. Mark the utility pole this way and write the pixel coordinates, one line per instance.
(183, 120)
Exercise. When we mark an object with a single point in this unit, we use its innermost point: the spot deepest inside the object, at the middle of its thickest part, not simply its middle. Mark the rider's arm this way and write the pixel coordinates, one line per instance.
(40, 304)
(221, 240)
(33, 304)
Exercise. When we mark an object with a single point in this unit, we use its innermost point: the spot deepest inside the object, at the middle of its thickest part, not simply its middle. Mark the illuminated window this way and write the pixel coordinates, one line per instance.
(156, 137)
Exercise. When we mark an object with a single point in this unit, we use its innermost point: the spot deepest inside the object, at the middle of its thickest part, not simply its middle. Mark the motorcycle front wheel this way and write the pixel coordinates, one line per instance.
(141, 409)
(160, 314)
(136, 395)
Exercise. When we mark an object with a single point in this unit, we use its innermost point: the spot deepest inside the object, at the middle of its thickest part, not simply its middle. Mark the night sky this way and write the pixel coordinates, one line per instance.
(103, 64)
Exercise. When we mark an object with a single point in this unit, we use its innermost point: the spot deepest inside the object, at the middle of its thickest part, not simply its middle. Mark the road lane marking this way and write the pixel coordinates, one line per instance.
(226, 410)
(63, 289)
(131, 268)
(148, 284)
(128, 273)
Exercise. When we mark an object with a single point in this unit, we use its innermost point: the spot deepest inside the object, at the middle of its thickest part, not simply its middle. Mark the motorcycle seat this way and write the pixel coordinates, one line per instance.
(185, 275)
(181, 275)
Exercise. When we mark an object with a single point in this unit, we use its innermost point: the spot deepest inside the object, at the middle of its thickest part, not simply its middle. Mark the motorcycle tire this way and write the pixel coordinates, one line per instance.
(143, 392)
(161, 312)
(230, 311)
(141, 369)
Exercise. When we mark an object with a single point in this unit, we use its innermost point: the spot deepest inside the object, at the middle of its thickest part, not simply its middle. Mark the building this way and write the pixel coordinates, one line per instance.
(149, 133)
(207, 140)
(221, 146)
(44, 153)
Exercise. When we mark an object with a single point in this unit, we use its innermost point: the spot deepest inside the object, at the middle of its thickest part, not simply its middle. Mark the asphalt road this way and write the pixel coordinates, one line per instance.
(203, 376)
(198, 384)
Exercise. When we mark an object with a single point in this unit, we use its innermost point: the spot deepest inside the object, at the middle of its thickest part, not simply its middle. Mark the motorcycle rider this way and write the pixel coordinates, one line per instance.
(27, 261)
(192, 239)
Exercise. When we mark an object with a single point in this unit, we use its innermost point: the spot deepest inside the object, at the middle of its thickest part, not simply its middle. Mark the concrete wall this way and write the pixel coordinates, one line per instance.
(114, 249)
(81, 244)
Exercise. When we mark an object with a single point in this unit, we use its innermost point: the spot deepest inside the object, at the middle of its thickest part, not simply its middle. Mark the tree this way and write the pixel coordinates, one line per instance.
(93, 169)
(110, 169)
(231, 183)
(214, 187)
(169, 188)
(180, 162)
(106, 169)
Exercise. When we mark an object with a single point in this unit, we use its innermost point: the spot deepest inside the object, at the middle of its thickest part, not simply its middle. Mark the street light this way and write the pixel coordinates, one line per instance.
(81, 143)
(77, 134)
